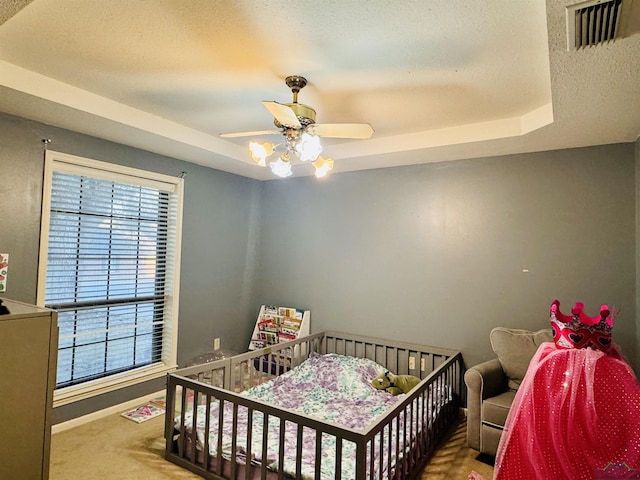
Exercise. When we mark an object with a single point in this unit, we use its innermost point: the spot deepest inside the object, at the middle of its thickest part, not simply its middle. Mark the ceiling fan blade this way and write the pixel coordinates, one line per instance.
(343, 130)
(284, 114)
(249, 134)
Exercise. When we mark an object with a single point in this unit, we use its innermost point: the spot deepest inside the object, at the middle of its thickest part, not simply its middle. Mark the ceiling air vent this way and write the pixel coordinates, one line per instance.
(593, 22)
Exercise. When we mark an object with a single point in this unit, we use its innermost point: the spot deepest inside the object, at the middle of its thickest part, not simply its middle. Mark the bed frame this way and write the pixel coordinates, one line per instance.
(223, 379)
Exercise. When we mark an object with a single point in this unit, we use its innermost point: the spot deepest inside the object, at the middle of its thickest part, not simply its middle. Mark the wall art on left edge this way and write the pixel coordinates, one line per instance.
(4, 267)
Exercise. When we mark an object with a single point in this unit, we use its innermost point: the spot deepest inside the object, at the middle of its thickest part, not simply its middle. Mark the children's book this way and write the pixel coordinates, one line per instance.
(143, 413)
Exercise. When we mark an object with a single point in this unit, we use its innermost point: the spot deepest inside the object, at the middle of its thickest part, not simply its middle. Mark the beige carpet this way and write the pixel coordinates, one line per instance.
(454, 460)
(117, 448)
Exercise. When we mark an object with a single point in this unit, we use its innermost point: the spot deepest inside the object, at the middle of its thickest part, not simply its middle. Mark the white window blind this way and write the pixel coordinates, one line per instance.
(111, 270)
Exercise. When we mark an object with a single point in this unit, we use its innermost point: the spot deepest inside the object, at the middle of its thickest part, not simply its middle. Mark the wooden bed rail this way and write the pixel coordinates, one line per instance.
(400, 358)
(409, 422)
(448, 377)
(393, 355)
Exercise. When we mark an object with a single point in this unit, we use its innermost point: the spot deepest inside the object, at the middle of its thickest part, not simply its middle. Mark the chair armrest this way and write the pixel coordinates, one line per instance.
(484, 380)
(487, 377)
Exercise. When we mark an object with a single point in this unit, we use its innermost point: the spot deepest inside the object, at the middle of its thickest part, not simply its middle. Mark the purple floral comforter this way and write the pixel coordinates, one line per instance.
(333, 388)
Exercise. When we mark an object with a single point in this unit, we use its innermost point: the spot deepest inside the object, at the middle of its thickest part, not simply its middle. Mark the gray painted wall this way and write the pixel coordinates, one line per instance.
(431, 253)
(435, 253)
(221, 216)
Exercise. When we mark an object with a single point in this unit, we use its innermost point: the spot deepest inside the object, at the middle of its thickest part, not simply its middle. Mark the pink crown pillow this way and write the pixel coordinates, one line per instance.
(579, 330)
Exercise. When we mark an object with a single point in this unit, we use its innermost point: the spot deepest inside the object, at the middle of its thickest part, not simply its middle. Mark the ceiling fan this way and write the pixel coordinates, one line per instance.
(296, 122)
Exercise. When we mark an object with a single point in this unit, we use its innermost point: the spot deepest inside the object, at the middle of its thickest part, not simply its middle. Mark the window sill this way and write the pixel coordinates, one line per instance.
(76, 393)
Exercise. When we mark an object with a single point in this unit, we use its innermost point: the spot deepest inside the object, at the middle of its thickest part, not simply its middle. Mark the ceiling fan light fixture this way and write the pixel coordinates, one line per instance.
(281, 168)
(296, 122)
(260, 152)
(323, 166)
(308, 148)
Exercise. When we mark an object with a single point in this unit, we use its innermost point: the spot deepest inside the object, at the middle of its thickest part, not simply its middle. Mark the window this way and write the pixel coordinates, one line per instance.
(109, 264)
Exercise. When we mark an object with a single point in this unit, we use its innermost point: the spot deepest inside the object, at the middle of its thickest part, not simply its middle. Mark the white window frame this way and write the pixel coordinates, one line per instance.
(61, 162)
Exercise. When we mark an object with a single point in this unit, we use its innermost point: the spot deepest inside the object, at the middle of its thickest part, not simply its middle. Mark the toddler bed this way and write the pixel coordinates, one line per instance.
(320, 418)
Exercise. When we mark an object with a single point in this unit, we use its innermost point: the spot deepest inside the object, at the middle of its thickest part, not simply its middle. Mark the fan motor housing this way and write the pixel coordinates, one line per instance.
(305, 114)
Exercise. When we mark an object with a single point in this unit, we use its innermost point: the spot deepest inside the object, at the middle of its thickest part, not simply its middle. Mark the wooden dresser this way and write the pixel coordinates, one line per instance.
(28, 355)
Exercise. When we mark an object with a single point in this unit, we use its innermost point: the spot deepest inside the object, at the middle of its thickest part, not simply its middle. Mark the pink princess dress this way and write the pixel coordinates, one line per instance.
(576, 414)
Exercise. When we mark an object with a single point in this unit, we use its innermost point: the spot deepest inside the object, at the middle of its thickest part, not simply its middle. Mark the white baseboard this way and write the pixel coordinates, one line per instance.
(122, 407)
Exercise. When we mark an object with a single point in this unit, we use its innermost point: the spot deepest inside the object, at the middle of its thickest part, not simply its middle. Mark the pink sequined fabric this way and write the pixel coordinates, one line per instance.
(575, 416)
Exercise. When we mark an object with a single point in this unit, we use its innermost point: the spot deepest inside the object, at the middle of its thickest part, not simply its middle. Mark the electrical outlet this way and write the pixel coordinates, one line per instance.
(412, 363)
(216, 343)
(423, 365)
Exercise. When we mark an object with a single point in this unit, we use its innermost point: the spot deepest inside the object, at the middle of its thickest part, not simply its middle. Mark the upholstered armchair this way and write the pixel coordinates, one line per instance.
(492, 385)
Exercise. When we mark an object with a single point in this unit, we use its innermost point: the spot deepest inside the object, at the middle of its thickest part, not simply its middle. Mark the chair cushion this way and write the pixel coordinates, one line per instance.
(514, 348)
(495, 409)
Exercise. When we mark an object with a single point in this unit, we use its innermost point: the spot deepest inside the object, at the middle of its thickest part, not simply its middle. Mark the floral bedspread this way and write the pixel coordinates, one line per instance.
(333, 388)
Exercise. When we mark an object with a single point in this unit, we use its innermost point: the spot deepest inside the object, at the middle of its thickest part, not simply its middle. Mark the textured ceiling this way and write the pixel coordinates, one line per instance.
(438, 80)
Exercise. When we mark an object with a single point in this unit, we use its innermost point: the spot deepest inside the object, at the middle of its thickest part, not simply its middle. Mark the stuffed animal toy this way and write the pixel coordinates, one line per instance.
(395, 384)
